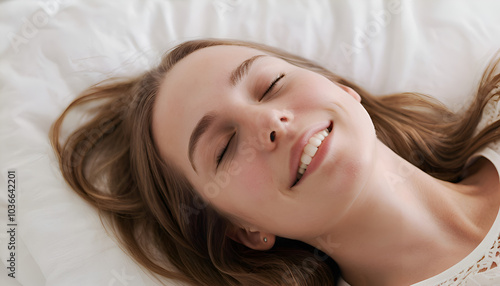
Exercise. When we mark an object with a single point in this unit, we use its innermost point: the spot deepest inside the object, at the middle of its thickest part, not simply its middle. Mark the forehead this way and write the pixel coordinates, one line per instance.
(201, 67)
(193, 87)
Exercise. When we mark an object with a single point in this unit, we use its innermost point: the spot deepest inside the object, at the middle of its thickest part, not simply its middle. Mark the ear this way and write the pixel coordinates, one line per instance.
(256, 240)
(350, 91)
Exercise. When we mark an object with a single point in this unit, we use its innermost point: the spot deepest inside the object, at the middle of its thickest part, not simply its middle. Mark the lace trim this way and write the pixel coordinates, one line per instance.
(483, 272)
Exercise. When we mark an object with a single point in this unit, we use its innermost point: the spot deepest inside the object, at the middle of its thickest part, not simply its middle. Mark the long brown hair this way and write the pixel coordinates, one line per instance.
(111, 162)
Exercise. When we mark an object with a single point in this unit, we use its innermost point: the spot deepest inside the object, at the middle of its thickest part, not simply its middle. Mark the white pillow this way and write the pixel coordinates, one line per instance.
(51, 50)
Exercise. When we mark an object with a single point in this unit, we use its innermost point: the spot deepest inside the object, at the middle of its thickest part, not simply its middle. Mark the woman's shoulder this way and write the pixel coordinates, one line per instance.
(480, 267)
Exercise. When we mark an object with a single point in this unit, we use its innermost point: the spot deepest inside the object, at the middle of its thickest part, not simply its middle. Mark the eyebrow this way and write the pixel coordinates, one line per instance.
(201, 128)
(242, 70)
(206, 121)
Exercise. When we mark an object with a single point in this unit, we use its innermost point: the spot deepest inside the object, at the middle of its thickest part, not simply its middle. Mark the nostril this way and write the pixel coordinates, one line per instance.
(273, 136)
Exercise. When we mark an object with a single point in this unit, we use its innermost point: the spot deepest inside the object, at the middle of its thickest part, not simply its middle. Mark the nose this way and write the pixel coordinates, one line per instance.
(271, 126)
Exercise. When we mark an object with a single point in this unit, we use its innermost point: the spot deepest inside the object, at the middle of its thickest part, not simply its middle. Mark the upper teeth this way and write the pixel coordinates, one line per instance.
(310, 150)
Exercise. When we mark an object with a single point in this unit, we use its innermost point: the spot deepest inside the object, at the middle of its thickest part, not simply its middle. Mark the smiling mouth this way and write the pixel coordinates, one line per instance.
(310, 150)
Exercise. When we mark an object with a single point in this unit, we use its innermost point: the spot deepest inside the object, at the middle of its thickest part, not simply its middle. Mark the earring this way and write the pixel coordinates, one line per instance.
(265, 239)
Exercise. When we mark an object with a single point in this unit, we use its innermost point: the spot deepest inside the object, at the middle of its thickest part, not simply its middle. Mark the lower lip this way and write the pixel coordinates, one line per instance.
(318, 157)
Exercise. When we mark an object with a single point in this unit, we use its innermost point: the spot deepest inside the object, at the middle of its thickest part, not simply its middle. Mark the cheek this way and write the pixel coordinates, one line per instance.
(252, 181)
(314, 90)
(241, 189)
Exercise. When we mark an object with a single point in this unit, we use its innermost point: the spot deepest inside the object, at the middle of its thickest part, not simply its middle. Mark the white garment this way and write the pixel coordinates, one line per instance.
(482, 265)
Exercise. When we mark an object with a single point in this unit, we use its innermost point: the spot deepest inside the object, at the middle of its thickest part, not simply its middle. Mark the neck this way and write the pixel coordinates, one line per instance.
(407, 226)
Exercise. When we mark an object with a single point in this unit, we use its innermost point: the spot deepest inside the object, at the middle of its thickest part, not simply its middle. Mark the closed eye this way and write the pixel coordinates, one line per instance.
(272, 85)
(222, 152)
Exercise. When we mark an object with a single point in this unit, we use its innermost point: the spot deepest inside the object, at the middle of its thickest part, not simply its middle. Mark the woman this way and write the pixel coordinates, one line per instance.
(232, 163)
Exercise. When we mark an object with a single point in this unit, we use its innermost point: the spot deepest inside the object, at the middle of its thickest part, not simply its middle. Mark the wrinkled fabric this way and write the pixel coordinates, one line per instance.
(51, 50)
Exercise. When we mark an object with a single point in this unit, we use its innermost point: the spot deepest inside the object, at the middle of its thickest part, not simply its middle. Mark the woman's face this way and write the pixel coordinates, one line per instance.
(236, 121)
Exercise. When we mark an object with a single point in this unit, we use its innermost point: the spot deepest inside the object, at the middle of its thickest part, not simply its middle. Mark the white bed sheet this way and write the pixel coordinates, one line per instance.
(50, 50)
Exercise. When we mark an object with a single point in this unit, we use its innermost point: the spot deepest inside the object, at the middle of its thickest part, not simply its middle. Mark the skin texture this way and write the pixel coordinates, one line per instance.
(369, 209)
